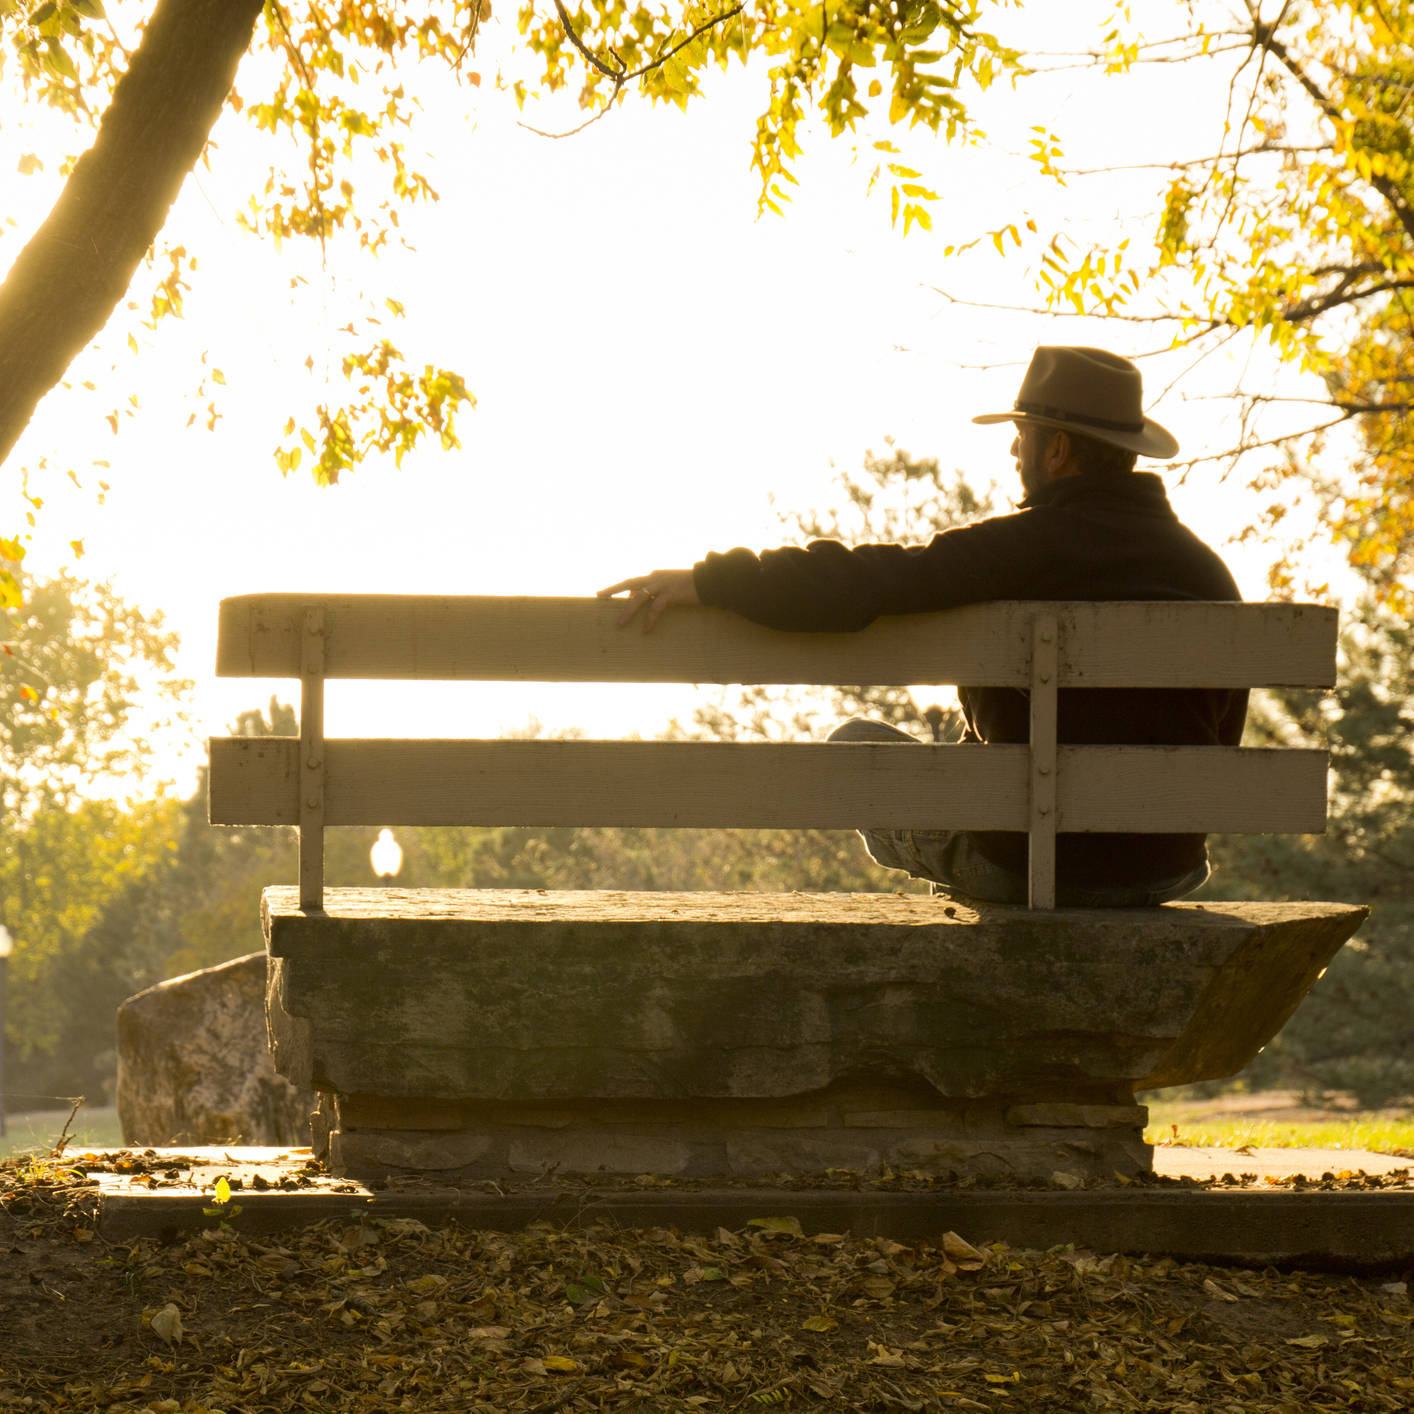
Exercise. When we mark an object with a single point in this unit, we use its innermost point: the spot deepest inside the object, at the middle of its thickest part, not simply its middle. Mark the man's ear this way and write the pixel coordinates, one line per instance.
(1059, 453)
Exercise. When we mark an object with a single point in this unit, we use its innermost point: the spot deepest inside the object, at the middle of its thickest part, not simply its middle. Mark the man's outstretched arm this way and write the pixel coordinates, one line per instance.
(658, 590)
(832, 588)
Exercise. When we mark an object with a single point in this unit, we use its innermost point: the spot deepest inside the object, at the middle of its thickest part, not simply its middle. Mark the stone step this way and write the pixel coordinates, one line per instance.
(1339, 1229)
(1343, 1231)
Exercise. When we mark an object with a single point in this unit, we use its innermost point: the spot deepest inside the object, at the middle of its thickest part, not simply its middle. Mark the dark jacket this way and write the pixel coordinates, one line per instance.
(1083, 537)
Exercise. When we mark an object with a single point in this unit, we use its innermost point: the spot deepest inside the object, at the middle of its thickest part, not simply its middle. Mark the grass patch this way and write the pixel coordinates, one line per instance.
(1377, 1134)
(94, 1127)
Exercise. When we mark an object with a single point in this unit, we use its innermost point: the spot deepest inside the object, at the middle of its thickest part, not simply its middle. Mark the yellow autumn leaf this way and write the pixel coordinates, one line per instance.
(819, 1323)
(882, 1355)
(167, 1323)
(561, 1364)
(963, 1253)
(788, 1226)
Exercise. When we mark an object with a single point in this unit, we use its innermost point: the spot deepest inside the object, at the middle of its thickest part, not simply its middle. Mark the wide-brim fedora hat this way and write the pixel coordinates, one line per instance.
(1090, 391)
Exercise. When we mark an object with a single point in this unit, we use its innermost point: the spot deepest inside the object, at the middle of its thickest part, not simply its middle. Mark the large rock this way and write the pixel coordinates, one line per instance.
(504, 1032)
(194, 1063)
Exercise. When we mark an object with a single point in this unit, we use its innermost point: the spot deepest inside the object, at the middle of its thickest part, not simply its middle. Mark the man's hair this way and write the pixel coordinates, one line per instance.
(1100, 458)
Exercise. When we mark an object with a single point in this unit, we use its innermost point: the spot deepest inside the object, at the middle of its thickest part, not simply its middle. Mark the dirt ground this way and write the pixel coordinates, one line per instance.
(360, 1314)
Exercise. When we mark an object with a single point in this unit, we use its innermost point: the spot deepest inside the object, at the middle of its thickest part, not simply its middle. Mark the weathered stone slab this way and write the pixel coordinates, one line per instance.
(522, 995)
(194, 1063)
(846, 1126)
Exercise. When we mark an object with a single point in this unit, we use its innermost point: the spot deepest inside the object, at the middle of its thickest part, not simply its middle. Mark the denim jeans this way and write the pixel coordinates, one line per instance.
(951, 861)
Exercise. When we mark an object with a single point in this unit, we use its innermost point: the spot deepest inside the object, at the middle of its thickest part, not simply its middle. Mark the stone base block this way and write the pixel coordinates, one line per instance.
(862, 1129)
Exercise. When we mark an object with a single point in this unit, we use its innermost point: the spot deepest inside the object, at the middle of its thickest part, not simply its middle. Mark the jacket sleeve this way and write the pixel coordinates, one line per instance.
(829, 587)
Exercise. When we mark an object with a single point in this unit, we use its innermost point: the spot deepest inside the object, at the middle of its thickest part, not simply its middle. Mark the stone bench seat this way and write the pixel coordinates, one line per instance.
(503, 1033)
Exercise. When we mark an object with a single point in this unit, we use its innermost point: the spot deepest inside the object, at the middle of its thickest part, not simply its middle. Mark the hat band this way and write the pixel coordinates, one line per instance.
(1060, 415)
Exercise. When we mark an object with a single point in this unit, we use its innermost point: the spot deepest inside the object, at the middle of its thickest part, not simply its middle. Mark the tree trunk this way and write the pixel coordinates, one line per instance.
(79, 264)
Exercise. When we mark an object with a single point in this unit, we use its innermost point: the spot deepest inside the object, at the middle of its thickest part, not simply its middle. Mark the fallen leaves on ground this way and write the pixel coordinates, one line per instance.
(365, 1314)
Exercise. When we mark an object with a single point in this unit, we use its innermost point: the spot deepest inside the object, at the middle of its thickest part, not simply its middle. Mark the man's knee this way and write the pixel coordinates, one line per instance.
(862, 729)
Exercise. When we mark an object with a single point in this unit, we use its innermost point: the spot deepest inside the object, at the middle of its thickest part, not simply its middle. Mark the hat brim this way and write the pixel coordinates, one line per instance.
(1153, 441)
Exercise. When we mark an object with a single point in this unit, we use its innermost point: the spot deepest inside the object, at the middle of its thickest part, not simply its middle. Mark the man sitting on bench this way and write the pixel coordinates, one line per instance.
(1090, 527)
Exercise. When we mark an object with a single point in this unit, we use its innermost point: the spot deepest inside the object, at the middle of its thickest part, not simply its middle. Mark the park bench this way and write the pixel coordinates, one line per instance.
(502, 1032)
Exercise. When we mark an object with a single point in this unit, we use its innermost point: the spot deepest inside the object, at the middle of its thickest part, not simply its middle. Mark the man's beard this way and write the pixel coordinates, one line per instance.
(1033, 474)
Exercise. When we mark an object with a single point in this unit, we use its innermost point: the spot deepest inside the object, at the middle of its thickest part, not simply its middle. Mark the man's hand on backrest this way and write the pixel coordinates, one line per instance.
(658, 590)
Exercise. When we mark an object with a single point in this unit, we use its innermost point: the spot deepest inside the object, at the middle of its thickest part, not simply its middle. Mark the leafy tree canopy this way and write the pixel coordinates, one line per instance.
(339, 90)
(1292, 224)
(75, 663)
(81, 671)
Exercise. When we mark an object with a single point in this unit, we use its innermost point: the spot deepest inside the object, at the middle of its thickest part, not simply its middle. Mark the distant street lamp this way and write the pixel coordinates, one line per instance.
(386, 855)
(7, 946)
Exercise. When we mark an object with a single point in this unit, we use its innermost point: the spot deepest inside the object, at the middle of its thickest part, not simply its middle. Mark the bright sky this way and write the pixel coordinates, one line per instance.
(652, 362)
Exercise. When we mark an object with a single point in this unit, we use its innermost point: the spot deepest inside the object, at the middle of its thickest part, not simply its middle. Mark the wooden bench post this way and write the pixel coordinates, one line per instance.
(311, 773)
(1045, 661)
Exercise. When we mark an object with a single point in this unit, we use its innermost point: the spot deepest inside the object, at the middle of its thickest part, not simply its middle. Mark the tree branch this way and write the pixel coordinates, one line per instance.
(1261, 149)
(1347, 409)
(1346, 412)
(622, 74)
(1263, 35)
(1207, 326)
(587, 123)
(78, 265)
(1243, 447)
(1088, 58)
(1342, 294)
(592, 60)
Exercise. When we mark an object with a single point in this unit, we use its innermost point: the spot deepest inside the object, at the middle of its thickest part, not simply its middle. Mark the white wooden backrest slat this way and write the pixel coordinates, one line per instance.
(1128, 789)
(409, 637)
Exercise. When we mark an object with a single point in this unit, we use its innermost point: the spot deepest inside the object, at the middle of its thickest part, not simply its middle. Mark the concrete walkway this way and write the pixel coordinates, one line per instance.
(1181, 1161)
